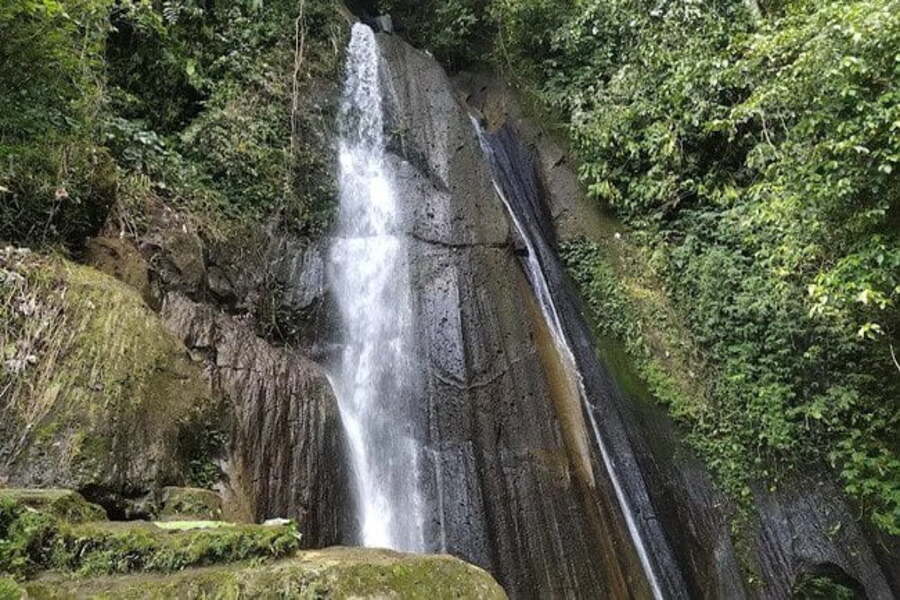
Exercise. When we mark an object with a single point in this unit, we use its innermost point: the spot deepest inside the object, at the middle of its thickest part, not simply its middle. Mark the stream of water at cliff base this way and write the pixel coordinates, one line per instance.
(369, 275)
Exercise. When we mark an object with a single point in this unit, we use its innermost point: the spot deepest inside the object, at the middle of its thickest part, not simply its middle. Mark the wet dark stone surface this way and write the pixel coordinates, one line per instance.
(503, 492)
(285, 456)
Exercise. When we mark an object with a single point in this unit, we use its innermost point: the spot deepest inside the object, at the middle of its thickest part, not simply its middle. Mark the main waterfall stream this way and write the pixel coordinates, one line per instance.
(369, 274)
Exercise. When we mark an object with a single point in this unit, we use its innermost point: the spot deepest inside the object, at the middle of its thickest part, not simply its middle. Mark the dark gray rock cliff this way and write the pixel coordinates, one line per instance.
(506, 484)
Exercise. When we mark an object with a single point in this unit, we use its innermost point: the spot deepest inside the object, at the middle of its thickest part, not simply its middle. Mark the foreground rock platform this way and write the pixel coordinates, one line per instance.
(334, 573)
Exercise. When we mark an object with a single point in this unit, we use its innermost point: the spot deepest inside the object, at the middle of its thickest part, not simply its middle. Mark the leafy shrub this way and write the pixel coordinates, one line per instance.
(454, 30)
(56, 184)
(196, 104)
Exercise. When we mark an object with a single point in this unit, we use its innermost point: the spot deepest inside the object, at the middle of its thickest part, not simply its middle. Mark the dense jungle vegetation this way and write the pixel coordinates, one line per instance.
(118, 105)
(752, 151)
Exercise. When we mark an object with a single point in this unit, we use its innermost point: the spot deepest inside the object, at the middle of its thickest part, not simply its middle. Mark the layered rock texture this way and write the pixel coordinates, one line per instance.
(285, 455)
(102, 390)
(805, 528)
(505, 488)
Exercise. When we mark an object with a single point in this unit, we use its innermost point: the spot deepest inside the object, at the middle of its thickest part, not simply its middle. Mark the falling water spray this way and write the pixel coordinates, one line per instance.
(369, 275)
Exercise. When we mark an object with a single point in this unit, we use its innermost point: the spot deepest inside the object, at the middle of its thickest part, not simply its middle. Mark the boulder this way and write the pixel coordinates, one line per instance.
(118, 258)
(67, 505)
(335, 574)
(194, 504)
(110, 390)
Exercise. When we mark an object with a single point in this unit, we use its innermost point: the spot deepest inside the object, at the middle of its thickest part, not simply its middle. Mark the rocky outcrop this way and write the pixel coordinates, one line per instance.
(572, 214)
(67, 505)
(284, 456)
(524, 501)
(103, 391)
(506, 491)
(118, 407)
(337, 573)
(189, 504)
(56, 545)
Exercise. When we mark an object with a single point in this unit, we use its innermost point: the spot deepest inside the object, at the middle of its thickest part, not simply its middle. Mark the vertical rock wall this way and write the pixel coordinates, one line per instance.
(502, 485)
(285, 455)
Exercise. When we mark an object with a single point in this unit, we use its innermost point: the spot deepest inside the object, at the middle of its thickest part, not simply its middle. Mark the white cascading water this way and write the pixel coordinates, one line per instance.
(369, 275)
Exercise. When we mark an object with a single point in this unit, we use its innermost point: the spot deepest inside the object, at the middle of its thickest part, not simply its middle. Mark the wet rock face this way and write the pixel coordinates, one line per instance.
(499, 479)
(134, 403)
(285, 456)
(806, 528)
(571, 213)
(506, 488)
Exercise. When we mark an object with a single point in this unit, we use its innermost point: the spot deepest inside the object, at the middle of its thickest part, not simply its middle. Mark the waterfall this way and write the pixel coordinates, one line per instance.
(520, 196)
(375, 381)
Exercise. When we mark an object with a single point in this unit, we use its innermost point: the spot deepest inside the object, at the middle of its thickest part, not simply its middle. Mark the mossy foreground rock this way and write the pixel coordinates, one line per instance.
(96, 391)
(34, 542)
(336, 573)
(64, 504)
(179, 503)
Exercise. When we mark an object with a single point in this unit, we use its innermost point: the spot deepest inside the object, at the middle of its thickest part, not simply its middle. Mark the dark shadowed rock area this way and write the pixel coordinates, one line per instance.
(285, 456)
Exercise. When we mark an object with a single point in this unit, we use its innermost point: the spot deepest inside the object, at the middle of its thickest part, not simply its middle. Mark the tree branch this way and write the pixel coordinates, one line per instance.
(894, 357)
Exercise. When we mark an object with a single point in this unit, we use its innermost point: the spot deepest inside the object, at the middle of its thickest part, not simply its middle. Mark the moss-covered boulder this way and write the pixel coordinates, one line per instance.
(96, 391)
(33, 542)
(107, 548)
(180, 503)
(336, 573)
(64, 504)
(119, 258)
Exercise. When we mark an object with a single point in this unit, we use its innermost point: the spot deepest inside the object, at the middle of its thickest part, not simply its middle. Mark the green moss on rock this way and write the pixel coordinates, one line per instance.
(180, 503)
(103, 389)
(32, 542)
(64, 504)
(10, 590)
(336, 573)
(114, 548)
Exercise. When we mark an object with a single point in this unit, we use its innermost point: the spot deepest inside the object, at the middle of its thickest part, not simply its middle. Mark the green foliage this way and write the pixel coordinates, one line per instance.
(32, 541)
(756, 163)
(454, 30)
(588, 265)
(203, 442)
(113, 105)
(821, 588)
(55, 182)
(206, 98)
(10, 590)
